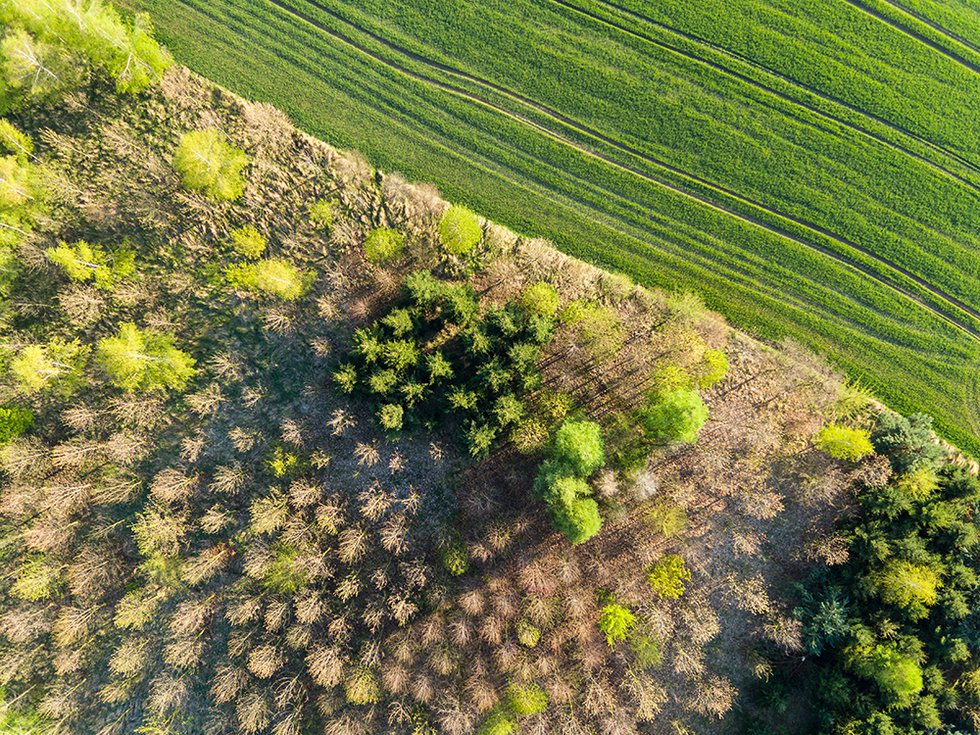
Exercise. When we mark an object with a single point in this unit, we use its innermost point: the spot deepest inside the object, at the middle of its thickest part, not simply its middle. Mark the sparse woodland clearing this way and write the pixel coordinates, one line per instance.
(291, 445)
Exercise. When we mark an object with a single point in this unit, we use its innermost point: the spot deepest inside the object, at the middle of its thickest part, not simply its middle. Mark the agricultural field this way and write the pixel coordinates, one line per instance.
(811, 168)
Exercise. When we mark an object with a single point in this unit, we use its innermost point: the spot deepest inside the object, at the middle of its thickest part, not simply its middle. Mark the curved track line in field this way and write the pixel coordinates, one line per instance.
(466, 94)
(765, 70)
(941, 30)
(912, 33)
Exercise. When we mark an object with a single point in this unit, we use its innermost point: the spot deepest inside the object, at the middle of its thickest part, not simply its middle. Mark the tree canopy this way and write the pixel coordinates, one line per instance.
(208, 163)
(677, 415)
(144, 360)
(459, 230)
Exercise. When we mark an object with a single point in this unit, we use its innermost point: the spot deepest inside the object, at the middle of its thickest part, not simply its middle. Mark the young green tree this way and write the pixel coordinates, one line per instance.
(322, 214)
(459, 230)
(208, 163)
(14, 421)
(678, 415)
(83, 262)
(526, 700)
(275, 278)
(55, 364)
(391, 416)
(616, 622)
(540, 298)
(383, 245)
(579, 446)
(844, 442)
(579, 521)
(713, 368)
(248, 241)
(32, 69)
(16, 182)
(15, 142)
(144, 360)
(668, 575)
(912, 587)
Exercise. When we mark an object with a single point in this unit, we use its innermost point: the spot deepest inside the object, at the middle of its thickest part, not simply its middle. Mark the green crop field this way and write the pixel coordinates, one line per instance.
(811, 167)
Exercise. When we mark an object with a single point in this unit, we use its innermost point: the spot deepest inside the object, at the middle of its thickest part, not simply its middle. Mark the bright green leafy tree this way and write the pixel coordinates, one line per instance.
(57, 363)
(14, 421)
(540, 298)
(616, 622)
(844, 442)
(383, 245)
(459, 230)
(144, 360)
(678, 415)
(248, 241)
(667, 576)
(83, 262)
(208, 163)
(273, 277)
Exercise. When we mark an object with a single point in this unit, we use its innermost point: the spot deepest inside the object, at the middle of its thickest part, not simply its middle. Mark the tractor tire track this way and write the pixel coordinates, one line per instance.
(766, 71)
(941, 30)
(467, 94)
(914, 34)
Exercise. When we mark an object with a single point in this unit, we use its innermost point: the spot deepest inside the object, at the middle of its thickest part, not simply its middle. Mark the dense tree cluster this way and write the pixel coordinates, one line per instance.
(437, 353)
(893, 633)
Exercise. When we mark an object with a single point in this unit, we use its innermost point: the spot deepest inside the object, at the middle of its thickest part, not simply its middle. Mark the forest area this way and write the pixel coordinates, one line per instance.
(292, 445)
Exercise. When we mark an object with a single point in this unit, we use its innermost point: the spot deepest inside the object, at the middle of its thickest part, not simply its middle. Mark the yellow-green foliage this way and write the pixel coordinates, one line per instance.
(144, 360)
(208, 163)
(843, 442)
(249, 242)
(58, 362)
(33, 69)
(599, 328)
(666, 518)
(321, 214)
(713, 368)
(16, 182)
(383, 246)
(896, 672)
(912, 587)
(17, 718)
(14, 141)
(459, 230)
(667, 576)
(918, 484)
(83, 262)
(526, 700)
(677, 415)
(281, 463)
(273, 277)
(669, 377)
(361, 686)
(14, 421)
(616, 622)
(91, 30)
(498, 722)
(541, 298)
(455, 559)
(528, 634)
(36, 579)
